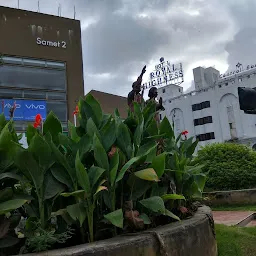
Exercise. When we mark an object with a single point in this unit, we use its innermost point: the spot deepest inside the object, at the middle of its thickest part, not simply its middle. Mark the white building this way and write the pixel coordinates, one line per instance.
(211, 112)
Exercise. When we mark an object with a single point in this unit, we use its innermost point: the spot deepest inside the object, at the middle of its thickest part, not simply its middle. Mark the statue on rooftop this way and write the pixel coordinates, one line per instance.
(135, 95)
(152, 94)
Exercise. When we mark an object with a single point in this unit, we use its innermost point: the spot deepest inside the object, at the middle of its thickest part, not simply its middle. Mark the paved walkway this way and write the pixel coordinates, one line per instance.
(230, 218)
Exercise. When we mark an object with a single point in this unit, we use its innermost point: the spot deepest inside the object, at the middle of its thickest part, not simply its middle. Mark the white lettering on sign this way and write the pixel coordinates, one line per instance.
(8, 105)
(57, 44)
(32, 106)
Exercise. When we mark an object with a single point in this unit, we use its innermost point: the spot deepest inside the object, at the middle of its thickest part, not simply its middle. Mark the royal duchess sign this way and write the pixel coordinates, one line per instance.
(25, 110)
(165, 73)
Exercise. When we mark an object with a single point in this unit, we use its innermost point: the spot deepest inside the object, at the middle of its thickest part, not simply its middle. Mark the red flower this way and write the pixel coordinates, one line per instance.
(38, 121)
(76, 111)
(184, 132)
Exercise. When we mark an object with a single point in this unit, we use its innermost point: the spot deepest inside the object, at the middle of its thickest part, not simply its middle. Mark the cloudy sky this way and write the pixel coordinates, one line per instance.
(120, 36)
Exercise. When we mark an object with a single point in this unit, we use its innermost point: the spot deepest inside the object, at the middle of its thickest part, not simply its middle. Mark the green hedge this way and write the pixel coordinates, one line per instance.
(231, 166)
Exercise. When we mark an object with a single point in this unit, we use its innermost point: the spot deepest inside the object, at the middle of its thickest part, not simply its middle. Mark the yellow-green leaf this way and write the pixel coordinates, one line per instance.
(173, 197)
(147, 174)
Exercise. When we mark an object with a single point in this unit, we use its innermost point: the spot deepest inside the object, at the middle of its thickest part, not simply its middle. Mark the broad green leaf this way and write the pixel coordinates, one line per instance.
(100, 154)
(166, 128)
(145, 218)
(146, 148)
(66, 142)
(138, 186)
(108, 134)
(124, 140)
(41, 151)
(172, 215)
(149, 112)
(138, 112)
(62, 160)
(10, 175)
(126, 167)
(114, 163)
(152, 128)
(5, 137)
(138, 133)
(200, 180)
(75, 193)
(191, 149)
(84, 145)
(28, 165)
(155, 204)
(95, 173)
(93, 109)
(6, 194)
(52, 125)
(3, 121)
(147, 174)
(158, 164)
(72, 132)
(59, 173)
(172, 197)
(82, 175)
(77, 212)
(52, 187)
(92, 129)
(30, 133)
(11, 205)
(116, 218)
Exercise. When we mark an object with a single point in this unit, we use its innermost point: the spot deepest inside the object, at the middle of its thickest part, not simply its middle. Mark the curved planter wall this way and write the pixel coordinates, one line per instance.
(245, 196)
(193, 237)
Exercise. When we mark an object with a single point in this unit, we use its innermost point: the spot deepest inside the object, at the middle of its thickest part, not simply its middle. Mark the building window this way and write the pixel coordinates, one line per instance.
(199, 106)
(248, 76)
(203, 120)
(179, 90)
(205, 104)
(160, 116)
(163, 90)
(206, 136)
(207, 119)
(226, 84)
(219, 85)
(25, 78)
(240, 79)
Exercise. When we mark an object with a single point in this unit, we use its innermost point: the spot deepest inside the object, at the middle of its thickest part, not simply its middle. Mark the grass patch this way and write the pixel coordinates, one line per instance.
(236, 241)
(234, 208)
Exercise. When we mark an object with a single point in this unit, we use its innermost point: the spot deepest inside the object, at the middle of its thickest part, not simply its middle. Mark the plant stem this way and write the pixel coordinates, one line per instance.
(41, 212)
(90, 225)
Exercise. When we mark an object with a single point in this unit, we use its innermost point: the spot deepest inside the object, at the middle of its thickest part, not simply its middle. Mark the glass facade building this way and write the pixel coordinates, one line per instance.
(40, 61)
(32, 79)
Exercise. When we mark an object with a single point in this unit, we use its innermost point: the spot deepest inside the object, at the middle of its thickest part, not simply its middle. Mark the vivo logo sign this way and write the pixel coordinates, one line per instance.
(26, 110)
(8, 105)
(32, 106)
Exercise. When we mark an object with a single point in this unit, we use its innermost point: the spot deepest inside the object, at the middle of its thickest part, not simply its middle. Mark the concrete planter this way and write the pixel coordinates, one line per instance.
(232, 197)
(193, 237)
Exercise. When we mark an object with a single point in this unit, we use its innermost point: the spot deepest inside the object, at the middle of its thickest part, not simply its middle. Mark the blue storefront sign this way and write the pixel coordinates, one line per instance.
(26, 110)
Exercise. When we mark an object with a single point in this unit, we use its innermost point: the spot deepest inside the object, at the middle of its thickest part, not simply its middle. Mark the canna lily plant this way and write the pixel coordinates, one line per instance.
(107, 177)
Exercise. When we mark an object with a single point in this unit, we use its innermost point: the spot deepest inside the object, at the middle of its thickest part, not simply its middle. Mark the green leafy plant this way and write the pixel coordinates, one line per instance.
(107, 177)
(231, 166)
